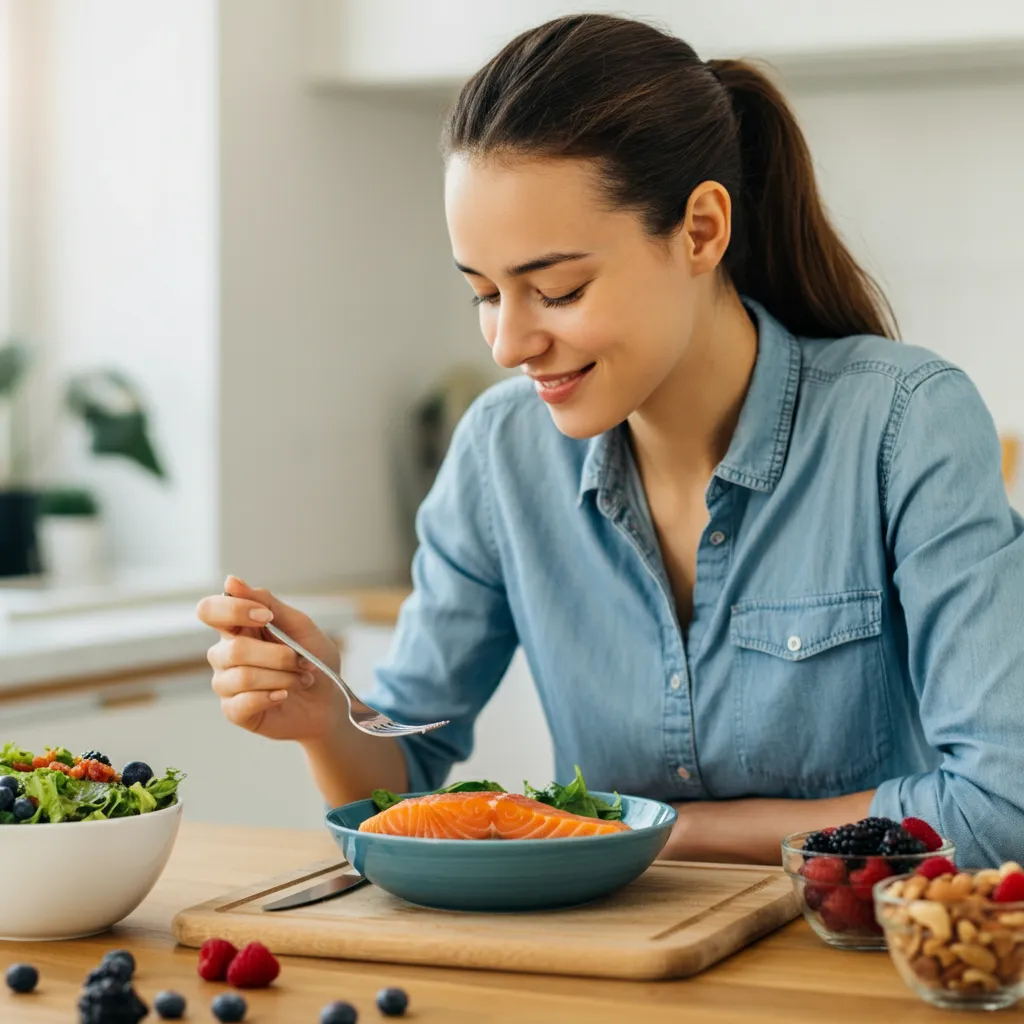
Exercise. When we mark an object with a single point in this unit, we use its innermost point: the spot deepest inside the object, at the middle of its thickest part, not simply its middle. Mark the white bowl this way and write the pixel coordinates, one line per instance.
(79, 878)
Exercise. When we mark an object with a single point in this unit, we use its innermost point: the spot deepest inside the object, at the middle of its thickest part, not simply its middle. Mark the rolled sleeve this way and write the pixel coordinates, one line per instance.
(958, 568)
(455, 636)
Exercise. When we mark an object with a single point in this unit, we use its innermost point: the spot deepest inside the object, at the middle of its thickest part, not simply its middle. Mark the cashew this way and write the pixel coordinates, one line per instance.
(986, 881)
(915, 887)
(962, 885)
(975, 956)
(931, 947)
(966, 931)
(972, 976)
(946, 957)
(932, 916)
(941, 890)
(896, 889)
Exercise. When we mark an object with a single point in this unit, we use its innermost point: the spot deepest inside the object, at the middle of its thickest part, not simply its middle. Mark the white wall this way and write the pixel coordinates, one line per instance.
(116, 248)
(5, 175)
(337, 289)
(924, 178)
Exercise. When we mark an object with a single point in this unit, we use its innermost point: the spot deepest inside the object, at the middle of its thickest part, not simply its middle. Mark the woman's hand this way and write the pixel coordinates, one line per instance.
(263, 685)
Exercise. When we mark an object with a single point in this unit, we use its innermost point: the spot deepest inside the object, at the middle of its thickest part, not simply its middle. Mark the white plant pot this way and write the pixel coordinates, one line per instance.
(71, 548)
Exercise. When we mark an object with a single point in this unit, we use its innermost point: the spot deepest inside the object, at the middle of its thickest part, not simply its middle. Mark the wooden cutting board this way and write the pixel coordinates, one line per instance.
(675, 920)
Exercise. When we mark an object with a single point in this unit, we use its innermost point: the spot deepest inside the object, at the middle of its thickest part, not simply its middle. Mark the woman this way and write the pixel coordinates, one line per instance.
(759, 556)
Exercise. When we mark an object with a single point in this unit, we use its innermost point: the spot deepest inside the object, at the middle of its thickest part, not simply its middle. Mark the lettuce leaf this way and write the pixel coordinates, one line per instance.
(164, 790)
(11, 752)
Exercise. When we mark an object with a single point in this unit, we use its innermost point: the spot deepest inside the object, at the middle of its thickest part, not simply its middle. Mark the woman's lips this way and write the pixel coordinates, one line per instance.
(557, 389)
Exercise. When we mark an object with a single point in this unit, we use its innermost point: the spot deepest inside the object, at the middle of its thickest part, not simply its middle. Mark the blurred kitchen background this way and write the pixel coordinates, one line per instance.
(232, 340)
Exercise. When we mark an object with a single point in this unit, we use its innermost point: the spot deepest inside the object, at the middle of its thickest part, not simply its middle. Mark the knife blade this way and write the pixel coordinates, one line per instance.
(326, 890)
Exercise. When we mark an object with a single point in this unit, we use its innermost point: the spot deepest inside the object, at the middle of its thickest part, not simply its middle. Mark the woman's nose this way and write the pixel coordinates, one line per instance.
(517, 338)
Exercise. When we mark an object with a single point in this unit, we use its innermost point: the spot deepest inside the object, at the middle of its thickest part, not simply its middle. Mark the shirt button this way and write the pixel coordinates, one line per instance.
(675, 682)
(682, 773)
(717, 538)
(794, 643)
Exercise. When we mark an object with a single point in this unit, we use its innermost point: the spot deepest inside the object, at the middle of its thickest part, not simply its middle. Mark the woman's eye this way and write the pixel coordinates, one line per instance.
(563, 300)
(488, 300)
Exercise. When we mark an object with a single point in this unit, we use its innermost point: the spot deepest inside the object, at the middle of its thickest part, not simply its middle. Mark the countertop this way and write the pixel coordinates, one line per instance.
(787, 977)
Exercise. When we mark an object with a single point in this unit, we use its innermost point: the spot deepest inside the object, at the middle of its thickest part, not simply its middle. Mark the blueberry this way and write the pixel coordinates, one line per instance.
(22, 978)
(6, 798)
(169, 1005)
(339, 1013)
(392, 1002)
(229, 1008)
(136, 771)
(122, 955)
(11, 783)
(23, 808)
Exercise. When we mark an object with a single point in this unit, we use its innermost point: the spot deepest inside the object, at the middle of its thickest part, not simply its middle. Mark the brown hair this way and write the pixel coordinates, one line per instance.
(660, 121)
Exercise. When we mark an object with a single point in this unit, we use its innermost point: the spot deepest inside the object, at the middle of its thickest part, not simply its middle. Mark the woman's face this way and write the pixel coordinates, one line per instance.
(576, 295)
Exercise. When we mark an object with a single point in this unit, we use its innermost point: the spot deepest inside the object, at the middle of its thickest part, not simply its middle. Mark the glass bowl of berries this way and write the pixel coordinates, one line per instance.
(956, 937)
(835, 869)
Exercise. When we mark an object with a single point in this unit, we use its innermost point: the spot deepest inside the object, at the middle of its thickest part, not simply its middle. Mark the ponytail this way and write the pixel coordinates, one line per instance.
(791, 258)
(659, 121)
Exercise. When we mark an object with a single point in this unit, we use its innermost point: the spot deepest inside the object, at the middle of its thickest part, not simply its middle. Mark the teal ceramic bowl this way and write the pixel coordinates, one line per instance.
(502, 876)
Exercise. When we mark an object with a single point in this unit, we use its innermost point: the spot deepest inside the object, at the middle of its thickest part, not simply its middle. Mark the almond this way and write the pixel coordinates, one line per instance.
(966, 931)
(975, 955)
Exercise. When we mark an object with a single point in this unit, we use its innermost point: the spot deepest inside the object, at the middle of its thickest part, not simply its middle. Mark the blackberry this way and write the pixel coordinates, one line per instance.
(818, 842)
(22, 978)
(392, 1002)
(116, 969)
(136, 771)
(123, 955)
(898, 842)
(879, 825)
(110, 1001)
(854, 841)
(95, 755)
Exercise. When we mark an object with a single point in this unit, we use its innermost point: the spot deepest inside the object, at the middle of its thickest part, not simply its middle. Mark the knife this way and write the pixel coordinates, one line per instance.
(318, 893)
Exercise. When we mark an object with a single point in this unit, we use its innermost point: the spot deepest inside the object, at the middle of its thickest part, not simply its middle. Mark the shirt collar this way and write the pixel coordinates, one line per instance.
(759, 444)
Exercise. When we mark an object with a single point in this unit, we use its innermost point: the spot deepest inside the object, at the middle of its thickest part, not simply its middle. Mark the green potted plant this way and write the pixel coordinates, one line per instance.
(19, 553)
(63, 531)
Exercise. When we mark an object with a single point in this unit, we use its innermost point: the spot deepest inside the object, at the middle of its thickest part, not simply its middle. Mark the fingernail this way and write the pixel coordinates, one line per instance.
(307, 679)
(278, 695)
(235, 579)
(263, 615)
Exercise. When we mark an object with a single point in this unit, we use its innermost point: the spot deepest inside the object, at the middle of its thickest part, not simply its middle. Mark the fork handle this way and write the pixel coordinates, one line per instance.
(312, 658)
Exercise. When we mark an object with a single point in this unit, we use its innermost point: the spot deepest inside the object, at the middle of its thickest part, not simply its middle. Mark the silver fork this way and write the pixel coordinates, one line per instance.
(361, 715)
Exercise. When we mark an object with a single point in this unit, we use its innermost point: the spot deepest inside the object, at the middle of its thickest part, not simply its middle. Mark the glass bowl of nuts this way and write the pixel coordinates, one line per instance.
(957, 940)
(834, 872)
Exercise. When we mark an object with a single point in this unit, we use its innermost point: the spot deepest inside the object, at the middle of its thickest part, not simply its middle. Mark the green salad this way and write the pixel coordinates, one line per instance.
(58, 786)
(573, 798)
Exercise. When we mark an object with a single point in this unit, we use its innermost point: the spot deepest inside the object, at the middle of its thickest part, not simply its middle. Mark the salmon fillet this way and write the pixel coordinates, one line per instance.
(484, 816)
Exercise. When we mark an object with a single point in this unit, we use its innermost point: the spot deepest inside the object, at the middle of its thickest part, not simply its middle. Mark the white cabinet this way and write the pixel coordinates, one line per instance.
(512, 742)
(405, 42)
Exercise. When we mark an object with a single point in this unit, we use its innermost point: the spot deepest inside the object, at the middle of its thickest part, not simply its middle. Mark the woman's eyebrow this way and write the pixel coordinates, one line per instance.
(541, 263)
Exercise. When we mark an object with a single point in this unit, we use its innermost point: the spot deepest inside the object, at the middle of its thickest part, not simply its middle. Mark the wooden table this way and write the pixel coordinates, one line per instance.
(789, 976)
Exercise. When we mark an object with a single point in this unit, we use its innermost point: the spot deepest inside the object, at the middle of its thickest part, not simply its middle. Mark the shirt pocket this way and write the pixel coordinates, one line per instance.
(812, 709)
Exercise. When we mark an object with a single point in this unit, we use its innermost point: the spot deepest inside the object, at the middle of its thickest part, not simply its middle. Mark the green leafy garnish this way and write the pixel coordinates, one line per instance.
(12, 753)
(573, 798)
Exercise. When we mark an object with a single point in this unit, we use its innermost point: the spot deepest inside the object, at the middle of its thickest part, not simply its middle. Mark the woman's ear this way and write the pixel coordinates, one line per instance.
(705, 231)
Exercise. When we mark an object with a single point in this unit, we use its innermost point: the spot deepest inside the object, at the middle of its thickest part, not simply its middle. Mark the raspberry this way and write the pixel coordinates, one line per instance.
(842, 911)
(1010, 889)
(874, 871)
(826, 873)
(933, 867)
(830, 871)
(215, 955)
(254, 967)
(922, 830)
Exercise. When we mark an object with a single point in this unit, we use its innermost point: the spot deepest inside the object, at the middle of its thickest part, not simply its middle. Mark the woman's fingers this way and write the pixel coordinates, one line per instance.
(237, 651)
(247, 679)
(226, 614)
(243, 708)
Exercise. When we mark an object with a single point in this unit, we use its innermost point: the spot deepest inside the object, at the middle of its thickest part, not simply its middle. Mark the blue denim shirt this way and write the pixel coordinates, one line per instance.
(857, 612)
